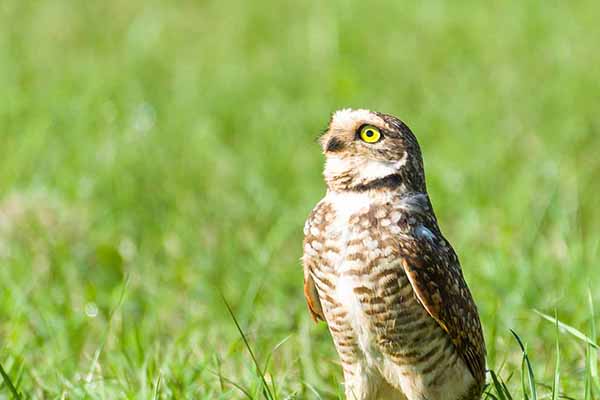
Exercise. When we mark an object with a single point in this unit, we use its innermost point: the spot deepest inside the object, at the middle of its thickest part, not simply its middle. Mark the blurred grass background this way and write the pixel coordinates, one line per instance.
(154, 154)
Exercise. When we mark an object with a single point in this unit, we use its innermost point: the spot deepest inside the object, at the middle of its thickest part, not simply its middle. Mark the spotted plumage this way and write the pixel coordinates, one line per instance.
(379, 271)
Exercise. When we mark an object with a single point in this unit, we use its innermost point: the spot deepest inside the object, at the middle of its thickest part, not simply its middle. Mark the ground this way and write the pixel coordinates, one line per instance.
(156, 157)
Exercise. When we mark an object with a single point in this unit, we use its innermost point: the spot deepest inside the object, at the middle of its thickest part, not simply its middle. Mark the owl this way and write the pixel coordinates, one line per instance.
(381, 274)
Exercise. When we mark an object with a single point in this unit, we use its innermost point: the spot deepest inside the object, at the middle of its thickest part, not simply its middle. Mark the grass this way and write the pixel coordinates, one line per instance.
(154, 155)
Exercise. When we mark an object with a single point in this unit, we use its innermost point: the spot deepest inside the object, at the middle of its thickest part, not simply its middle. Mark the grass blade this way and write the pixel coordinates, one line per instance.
(594, 352)
(218, 363)
(573, 331)
(277, 346)
(530, 374)
(489, 395)
(587, 394)
(232, 383)
(313, 390)
(156, 390)
(523, 379)
(556, 381)
(9, 383)
(506, 391)
(266, 391)
(500, 389)
(96, 357)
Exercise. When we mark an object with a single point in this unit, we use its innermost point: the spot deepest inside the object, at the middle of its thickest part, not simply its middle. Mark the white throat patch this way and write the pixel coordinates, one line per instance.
(365, 171)
(377, 169)
(335, 166)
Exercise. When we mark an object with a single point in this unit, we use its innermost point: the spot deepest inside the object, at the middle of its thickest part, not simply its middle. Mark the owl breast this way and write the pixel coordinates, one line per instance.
(377, 323)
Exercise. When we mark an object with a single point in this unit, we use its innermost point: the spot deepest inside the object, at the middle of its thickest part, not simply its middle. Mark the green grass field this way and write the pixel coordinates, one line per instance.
(154, 155)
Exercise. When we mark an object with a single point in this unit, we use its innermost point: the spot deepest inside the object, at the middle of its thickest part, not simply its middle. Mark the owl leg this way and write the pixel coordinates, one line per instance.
(361, 383)
(388, 392)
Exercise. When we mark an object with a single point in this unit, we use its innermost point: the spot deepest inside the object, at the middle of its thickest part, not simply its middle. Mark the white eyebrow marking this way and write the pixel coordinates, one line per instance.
(348, 119)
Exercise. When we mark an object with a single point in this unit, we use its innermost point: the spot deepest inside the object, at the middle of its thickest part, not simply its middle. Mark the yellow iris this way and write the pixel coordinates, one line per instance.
(370, 134)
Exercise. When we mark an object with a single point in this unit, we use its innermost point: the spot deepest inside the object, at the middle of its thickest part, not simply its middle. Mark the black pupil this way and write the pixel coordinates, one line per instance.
(370, 133)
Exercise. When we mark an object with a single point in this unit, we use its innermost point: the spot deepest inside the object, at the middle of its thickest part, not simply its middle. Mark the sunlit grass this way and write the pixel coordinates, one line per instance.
(171, 146)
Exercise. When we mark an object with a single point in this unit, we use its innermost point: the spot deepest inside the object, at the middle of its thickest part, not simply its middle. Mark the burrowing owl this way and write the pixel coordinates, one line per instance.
(379, 271)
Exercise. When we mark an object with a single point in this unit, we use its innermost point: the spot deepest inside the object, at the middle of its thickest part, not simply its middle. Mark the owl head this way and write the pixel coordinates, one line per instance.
(367, 150)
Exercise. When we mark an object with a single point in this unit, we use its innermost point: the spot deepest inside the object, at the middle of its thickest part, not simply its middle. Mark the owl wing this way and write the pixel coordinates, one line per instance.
(434, 272)
(312, 296)
(311, 259)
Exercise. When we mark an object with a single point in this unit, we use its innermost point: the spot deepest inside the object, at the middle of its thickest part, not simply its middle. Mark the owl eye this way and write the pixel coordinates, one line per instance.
(369, 134)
